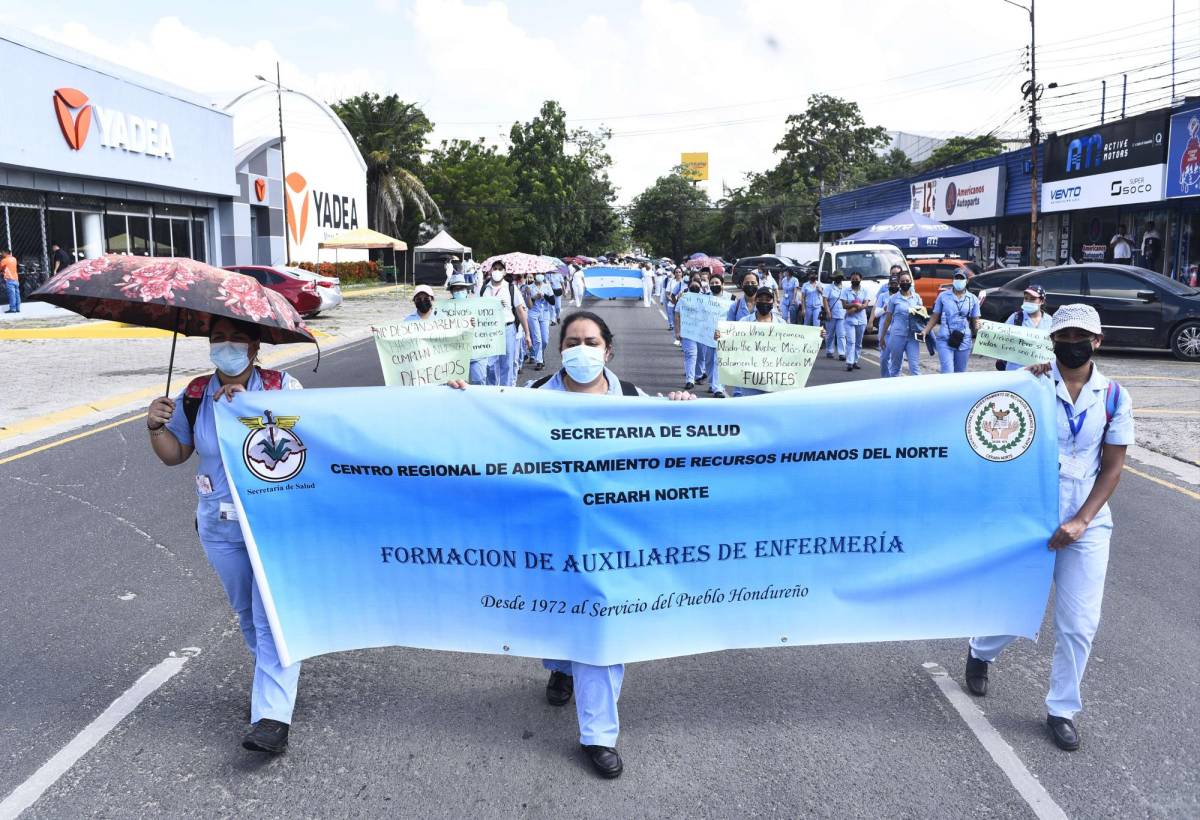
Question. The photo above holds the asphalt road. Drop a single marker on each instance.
(102, 578)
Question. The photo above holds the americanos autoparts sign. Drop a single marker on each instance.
(1115, 164)
(962, 197)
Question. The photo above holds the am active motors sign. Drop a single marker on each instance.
(1115, 164)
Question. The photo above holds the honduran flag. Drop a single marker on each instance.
(613, 283)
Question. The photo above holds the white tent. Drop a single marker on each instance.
(443, 243)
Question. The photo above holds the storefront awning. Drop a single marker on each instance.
(364, 239)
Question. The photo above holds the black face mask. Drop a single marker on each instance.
(893, 288)
(905, 286)
(837, 283)
(1073, 354)
(764, 308)
(423, 305)
(714, 289)
(694, 288)
(854, 283)
(750, 290)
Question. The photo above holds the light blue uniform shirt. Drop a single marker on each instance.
(210, 474)
(416, 317)
(789, 285)
(956, 310)
(811, 293)
(854, 297)
(902, 323)
(834, 294)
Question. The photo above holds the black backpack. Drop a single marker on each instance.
(627, 388)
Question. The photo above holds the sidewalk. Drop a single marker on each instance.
(68, 372)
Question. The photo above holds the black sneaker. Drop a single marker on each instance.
(841, 358)
(700, 379)
(720, 394)
(976, 675)
(856, 367)
(689, 385)
(605, 761)
(559, 688)
(268, 736)
(849, 367)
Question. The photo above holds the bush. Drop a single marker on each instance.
(349, 273)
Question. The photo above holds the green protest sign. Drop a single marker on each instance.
(416, 353)
(767, 356)
(699, 315)
(1015, 343)
(489, 315)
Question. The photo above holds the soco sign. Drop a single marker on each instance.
(118, 130)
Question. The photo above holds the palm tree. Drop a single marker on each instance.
(390, 134)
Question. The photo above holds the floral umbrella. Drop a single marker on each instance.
(521, 263)
(180, 295)
(697, 262)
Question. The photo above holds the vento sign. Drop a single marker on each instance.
(119, 130)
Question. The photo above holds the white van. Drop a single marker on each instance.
(873, 261)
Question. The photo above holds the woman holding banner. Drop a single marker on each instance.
(586, 346)
(764, 311)
(743, 305)
(1094, 422)
(1030, 314)
(186, 424)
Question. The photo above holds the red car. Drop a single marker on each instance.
(301, 293)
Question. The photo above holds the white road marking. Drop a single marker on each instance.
(660, 313)
(25, 795)
(1026, 784)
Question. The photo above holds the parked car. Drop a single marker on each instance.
(1137, 307)
(329, 288)
(775, 264)
(996, 278)
(301, 293)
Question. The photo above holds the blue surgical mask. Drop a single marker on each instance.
(231, 358)
(960, 285)
(458, 294)
(583, 363)
(1030, 308)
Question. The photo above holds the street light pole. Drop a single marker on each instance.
(287, 240)
(1030, 89)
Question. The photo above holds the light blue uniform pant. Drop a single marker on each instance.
(690, 354)
(786, 309)
(520, 353)
(854, 340)
(597, 689)
(835, 336)
(951, 360)
(556, 308)
(897, 347)
(812, 316)
(500, 368)
(479, 370)
(539, 330)
(669, 309)
(273, 694)
(707, 357)
(1079, 571)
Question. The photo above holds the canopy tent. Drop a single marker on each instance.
(443, 243)
(915, 231)
(363, 239)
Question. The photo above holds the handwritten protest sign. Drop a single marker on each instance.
(699, 316)
(766, 356)
(430, 352)
(1015, 343)
(488, 313)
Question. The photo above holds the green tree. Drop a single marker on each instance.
(893, 164)
(390, 135)
(829, 143)
(962, 149)
(476, 187)
(671, 217)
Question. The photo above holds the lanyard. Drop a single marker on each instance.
(1076, 423)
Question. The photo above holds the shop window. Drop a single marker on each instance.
(116, 233)
(25, 238)
(162, 237)
(180, 241)
(1062, 281)
(60, 230)
(199, 241)
(139, 235)
(1113, 284)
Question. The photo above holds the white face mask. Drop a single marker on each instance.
(497, 275)
(1030, 308)
(231, 358)
(583, 363)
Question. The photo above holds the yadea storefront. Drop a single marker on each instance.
(101, 160)
(322, 191)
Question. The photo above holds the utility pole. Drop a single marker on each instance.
(1103, 98)
(287, 240)
(1032, 91)
(1124, 85)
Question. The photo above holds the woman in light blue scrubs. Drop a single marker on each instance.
(955, 317)
(901, 327)
(233, 347)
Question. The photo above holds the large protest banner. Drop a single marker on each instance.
(424, 352)
(488, 314)
(369, 524)
(1015, 343)
(699, 316)
(605, 282)
(767, 356)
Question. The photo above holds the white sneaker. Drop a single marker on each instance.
(677, 343)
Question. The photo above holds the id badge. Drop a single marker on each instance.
(204, 485)
(1074, 466)
(227, 512)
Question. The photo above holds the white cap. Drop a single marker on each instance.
(1081, 316)
(428, 291)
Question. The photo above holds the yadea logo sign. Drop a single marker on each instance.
(296, 195)
(118, 130)
(329, 210)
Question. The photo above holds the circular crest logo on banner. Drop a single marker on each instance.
(1000, 426)
(272, 450)
(951, 198)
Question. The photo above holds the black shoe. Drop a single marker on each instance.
(689, 385)
(540, 366)
(605, 761)
(856, 367)
(267, 735)
(720, 394)
(841, 358)
(977, 675)
(700, 379)
(849, 367)
(1065, 736)
(828, 355)
(559, 688)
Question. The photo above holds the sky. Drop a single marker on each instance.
(666, 76)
